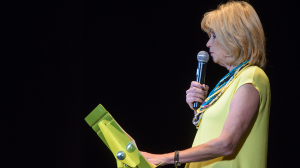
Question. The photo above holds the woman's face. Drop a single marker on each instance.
(218, 54)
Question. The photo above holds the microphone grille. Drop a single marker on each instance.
(203, 56)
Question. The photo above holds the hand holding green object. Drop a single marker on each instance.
(116, 139)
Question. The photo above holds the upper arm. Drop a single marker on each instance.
(243, 107)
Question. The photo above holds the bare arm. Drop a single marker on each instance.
(243, 108)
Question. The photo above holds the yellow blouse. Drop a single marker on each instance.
(251, 151)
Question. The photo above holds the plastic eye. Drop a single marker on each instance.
(121, 155)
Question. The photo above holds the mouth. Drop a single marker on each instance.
(210, 53)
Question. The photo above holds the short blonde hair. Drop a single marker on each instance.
(239, 32)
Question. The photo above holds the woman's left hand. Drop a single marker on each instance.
(154, 158)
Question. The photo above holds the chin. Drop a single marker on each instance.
(215, 60)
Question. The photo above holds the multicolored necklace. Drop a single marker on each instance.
(220, 88)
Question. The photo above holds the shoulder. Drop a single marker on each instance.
(253, 70)
(257, 77)
(254, 74)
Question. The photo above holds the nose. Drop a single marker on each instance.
(209, 43)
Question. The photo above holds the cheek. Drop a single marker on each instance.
(216, 54)
(215, 58)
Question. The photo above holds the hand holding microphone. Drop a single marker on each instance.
(197, 92)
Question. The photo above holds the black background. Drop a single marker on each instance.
(136, 58)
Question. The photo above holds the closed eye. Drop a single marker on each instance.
(214, 35)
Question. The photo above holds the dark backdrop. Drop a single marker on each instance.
(137, 59)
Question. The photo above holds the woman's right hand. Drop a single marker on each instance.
(196, 93)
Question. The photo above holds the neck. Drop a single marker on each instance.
(230, 67)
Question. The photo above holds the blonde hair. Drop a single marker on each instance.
(238, 31)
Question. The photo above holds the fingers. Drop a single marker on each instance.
(200, 86)
(196, 84)
(190, 100)
(196, 93)
(153, 158)
(194, 97)
(144, 154)
(205, 87)
(200, 95)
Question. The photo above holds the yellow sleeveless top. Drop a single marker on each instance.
(251, 151)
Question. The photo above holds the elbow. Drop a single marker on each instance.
(228, 152)
(227, 148)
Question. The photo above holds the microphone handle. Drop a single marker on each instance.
(200, 78)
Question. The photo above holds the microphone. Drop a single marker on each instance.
(202, 58)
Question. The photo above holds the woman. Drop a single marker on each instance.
(233, 121)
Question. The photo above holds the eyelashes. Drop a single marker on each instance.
(213, 35)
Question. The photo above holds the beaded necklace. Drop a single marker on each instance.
(220, 88)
